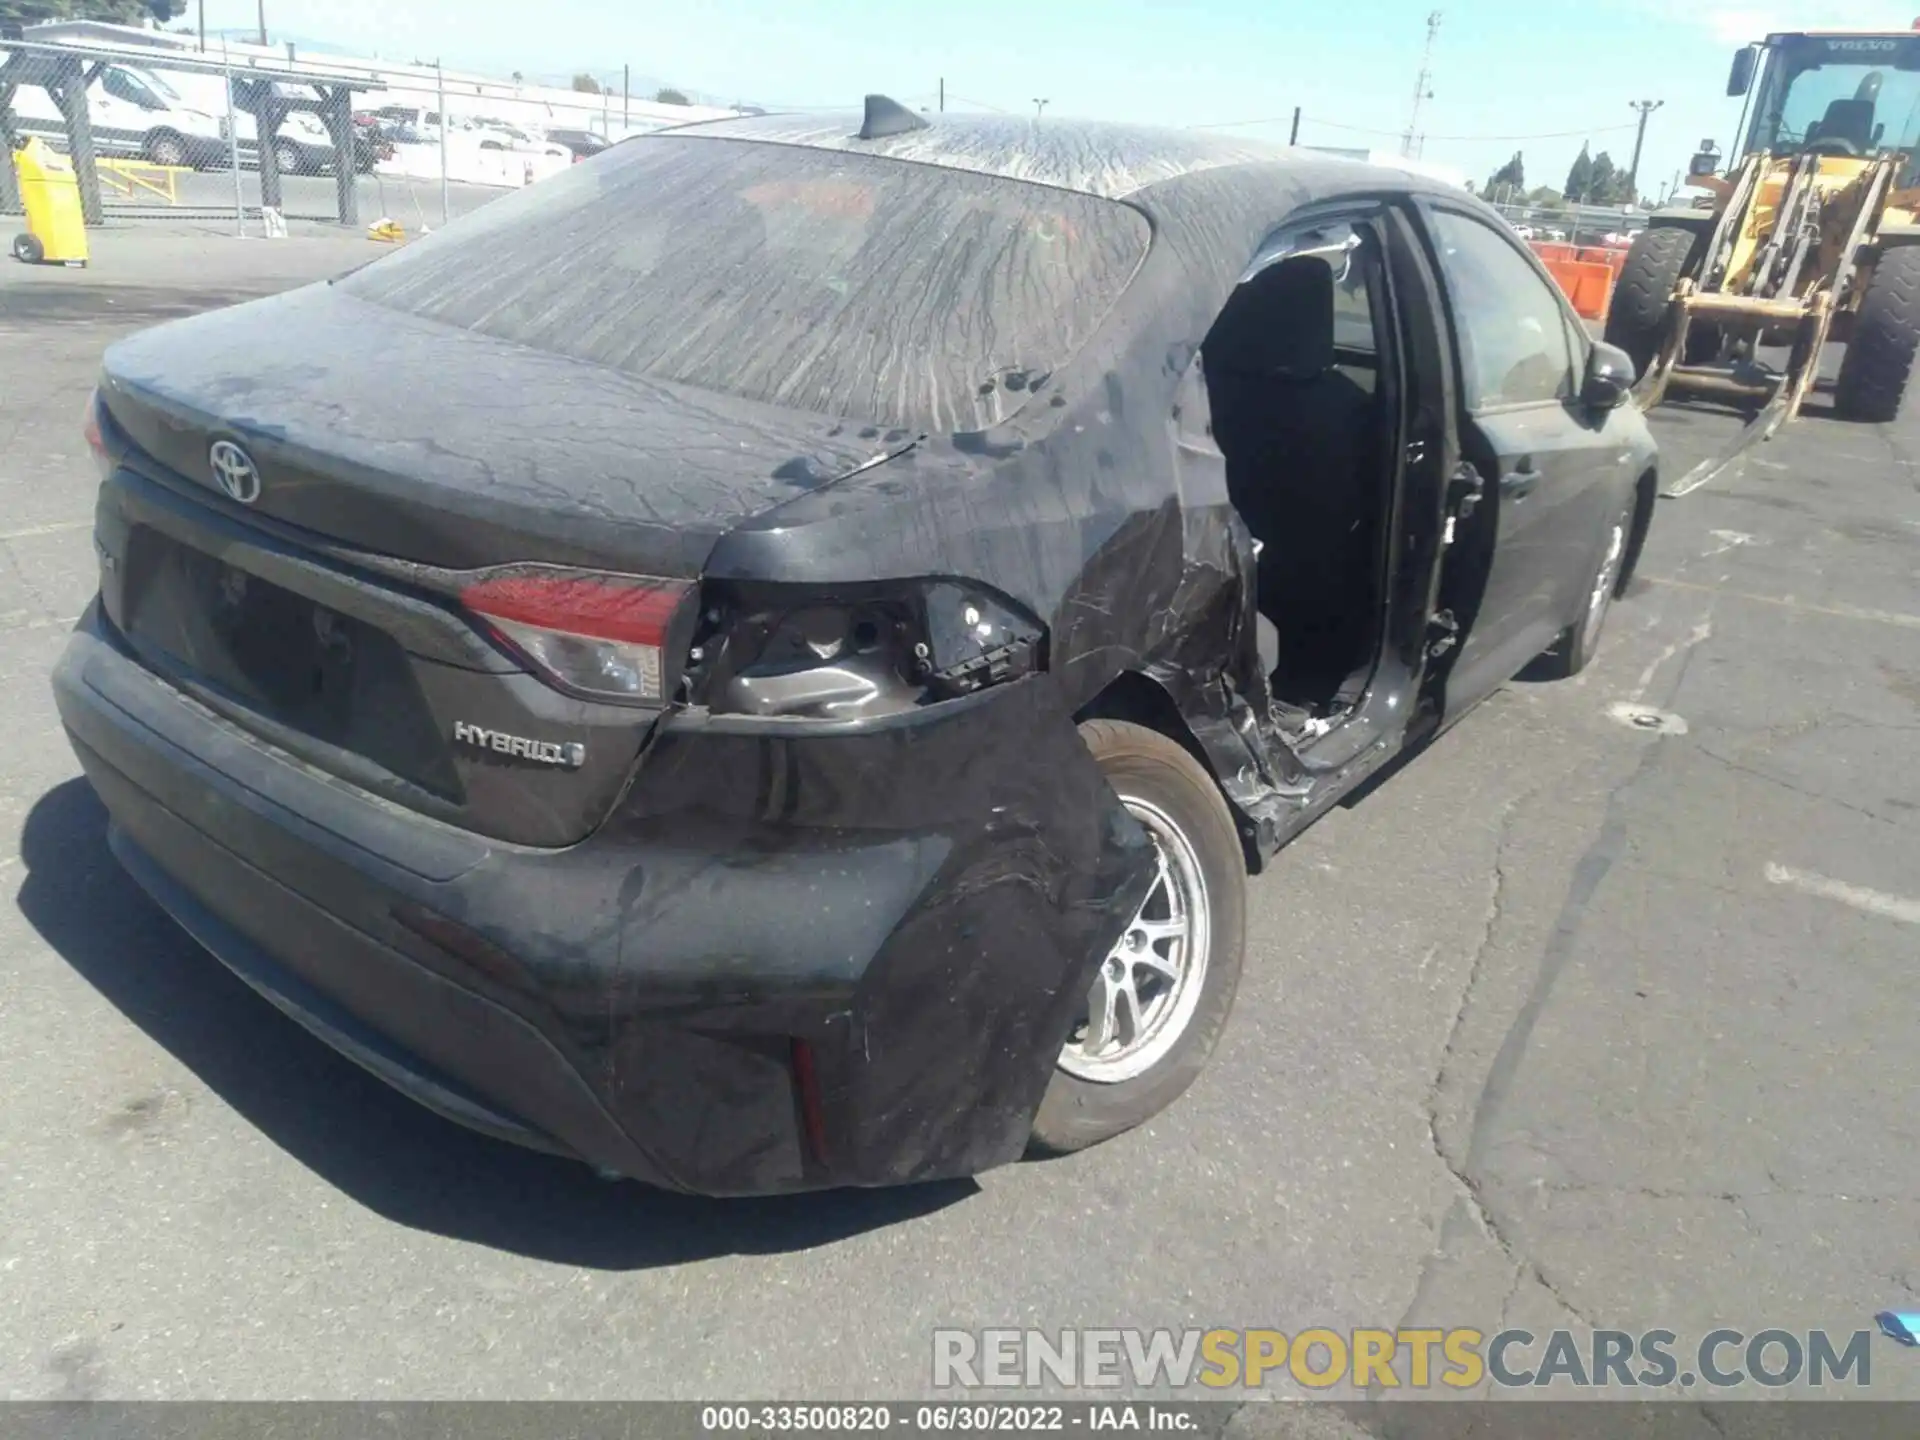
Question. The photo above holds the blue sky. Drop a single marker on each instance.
(1564, 69)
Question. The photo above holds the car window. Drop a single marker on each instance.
(1353, 308)
(907, 295)
(122, 86)
(1356, 346)
(1514, 345)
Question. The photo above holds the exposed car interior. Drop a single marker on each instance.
(1293, 378)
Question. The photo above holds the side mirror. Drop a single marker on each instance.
(1609, 378)
(1740, 78)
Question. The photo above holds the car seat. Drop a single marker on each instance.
(1849, 120)
(1301, 445)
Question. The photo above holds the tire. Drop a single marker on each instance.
(1637, 316)
(1886, 333)
(166, 148)
(1124, 1083)
(1580, 641)
(27, 249)
(289, 158)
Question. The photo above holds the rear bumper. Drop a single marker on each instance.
(783, 964)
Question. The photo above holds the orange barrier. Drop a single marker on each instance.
(1585, 273)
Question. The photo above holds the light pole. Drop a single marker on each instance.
(1646, 109)
(1039, 107)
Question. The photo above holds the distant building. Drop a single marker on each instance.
(99, 32)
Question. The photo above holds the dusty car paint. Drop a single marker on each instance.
(916, 900)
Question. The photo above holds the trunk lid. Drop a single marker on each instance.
(442, 446)
(391, 453)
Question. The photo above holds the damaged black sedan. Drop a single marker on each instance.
(765, 661)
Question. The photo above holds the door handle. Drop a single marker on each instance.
(1520, 481)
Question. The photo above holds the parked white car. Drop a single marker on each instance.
(474, 156)
(138, 114)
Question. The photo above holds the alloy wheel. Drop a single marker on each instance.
(1148, 985)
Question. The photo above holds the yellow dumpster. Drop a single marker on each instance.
(56, 232)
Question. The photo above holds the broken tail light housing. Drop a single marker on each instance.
(603, 636)
(797, 654)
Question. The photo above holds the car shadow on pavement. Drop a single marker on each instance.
(374, 1144)
(128, 305)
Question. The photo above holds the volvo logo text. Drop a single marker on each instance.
(234, 471)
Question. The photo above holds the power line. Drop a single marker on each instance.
(996, 109)
(1376, 130)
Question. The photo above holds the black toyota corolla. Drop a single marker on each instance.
(765, 661)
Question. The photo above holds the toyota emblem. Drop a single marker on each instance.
(234, 471)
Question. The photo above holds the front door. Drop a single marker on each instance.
(1536, 483)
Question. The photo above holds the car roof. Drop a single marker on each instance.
(1116, 161)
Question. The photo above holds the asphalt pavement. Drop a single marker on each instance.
(1599, 1013)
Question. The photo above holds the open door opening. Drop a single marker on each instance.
(1300, 386)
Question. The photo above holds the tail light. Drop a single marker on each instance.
(600, 635)
(796, 654)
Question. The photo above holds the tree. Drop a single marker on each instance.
(1510, 177)
(1580, 177)
(114, 12)
(1604, 181)
(670, 96)
(586, 84)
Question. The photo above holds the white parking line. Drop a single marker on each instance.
(59, 528)
(1699, 633)
(1874, 902)
(1787, 602)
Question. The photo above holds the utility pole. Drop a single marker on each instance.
(943, 94)
(1039, 108)
(1422, 88)
(262, 12)
(1646, 109)
(626, 98)
(1294, 139)
(203, 25)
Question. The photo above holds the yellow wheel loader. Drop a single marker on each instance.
(1812, 235)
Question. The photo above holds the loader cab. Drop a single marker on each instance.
(1848, 96)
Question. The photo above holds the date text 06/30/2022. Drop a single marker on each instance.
(943, 1417)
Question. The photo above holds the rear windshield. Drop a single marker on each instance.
(902, 294)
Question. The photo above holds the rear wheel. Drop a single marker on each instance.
(288, 158)
(166, 148)
(27, 248)
(1162, 994)
(1886, 334)
(1637, 316)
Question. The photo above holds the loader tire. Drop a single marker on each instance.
(1886, 335)
(1637, 318)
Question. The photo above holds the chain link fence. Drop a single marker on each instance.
(257, 138)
